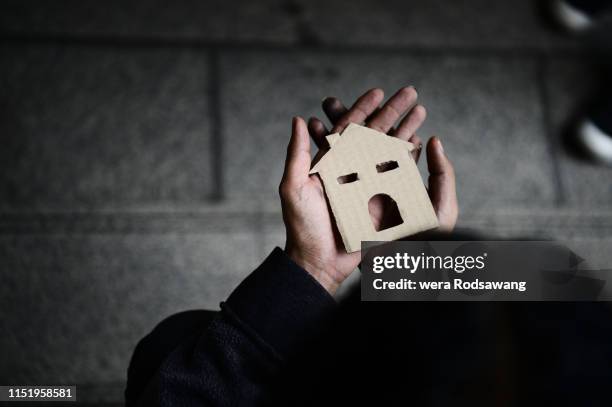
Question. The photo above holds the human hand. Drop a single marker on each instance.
(441, 181)
(313, 241)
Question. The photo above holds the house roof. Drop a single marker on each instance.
(355, 136)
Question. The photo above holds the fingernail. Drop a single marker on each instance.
(440, 143)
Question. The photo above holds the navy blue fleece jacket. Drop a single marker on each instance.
(234, 360)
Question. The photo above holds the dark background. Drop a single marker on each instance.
(143, 142)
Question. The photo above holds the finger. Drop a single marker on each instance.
(317, 131)
(318, 156)
(442, 191)
(411, 123)
(403, 100)
(361, 110)
(334, 109)
(297, 164)
(416, 153)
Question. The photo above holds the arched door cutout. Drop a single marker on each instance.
(384, 212)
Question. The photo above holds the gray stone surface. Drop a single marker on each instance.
(101, 394)
(72, 307)
(273, 236)
(92, 128)
(559, 224)
(470, 23)
(572, 84)
(486, 111)
(212, 20)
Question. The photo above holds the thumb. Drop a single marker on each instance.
(442, 190)
(297, 164)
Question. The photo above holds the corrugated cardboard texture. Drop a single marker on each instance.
(358, 150)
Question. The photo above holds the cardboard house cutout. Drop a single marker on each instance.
(361, 164)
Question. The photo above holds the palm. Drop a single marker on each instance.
(329, 239)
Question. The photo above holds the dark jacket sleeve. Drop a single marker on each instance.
(239, 354)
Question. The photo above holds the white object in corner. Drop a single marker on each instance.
(570, 17)
(595, 141)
